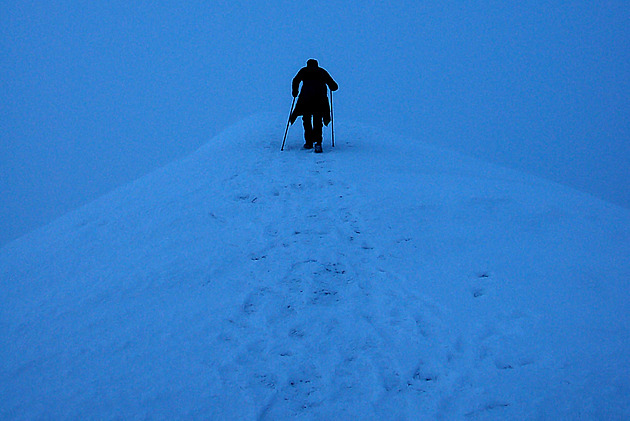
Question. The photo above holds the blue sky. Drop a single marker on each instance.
(97, 94)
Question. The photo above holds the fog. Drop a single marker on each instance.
(96, 94)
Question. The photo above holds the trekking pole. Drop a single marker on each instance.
(332, 120)
(288, 123)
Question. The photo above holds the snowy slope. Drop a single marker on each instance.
(383, 279)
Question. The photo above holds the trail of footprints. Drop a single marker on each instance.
(331, 325)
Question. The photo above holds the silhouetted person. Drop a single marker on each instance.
(312, 102)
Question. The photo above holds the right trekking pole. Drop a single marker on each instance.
(332, 119)
(288, 123)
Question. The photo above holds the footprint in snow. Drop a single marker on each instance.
(480, 284)
(252, 302)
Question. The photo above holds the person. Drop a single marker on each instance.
(312, 103)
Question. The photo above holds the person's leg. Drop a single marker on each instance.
(308, 131)
(318, 123)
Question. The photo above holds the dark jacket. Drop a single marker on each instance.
(313, 98)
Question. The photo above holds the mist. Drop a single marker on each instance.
(96, 95)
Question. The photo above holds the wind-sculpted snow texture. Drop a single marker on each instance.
(382, 279)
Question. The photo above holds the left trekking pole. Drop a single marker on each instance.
(288, 123)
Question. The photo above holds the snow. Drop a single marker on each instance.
(382, 279)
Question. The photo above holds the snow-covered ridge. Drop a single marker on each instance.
(382, 279)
